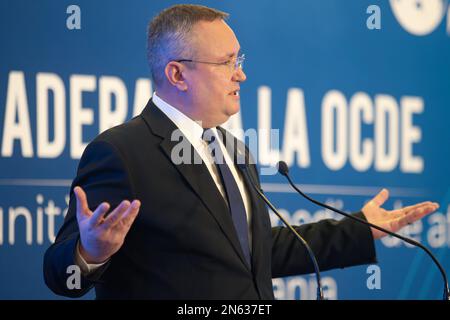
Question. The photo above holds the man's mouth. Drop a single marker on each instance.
(235, 93)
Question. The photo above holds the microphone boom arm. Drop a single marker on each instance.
(283, 171)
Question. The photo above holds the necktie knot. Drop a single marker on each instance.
(208, 136)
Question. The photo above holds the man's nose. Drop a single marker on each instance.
(239, 75)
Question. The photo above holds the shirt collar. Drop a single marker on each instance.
(190, 128)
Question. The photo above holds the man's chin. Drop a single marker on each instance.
(233, 109)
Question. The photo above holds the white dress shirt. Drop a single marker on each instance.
(193, 131)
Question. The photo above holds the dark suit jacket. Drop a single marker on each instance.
(183, 244)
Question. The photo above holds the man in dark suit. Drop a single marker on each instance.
(202, 231)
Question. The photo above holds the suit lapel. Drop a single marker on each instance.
(196, 175)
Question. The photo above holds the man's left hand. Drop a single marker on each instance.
(394, 220)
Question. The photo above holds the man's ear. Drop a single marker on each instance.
(174, 74)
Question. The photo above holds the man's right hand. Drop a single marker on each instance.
(102, 237)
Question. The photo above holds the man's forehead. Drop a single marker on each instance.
(216, 37)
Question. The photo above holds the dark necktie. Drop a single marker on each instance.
(235, 202)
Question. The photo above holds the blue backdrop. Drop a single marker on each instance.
(360, 95)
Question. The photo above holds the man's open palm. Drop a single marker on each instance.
(394, 220)
(102, 237)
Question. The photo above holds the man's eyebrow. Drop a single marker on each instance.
(232, 54)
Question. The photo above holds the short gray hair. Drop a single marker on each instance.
(169, 35)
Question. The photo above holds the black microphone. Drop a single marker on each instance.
(284, 170)
(243, 168)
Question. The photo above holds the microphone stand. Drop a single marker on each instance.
(243, 168)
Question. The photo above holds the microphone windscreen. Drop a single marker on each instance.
(283, 168)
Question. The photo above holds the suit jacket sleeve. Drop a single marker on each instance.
(336, 244)
(103, 176)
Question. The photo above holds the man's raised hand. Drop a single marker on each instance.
(102, 237)
(394, 220)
